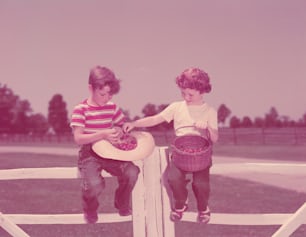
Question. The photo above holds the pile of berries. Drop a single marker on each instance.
(191, 150)
(126, 142)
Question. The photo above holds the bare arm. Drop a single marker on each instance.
(82, 138)
(214, 134)
(144, 122)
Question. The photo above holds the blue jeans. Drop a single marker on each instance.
(92, 183)
(178, 185)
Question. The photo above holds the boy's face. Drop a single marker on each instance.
(101, 95)
(192, 96)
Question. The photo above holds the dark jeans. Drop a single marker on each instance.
(178, 185)
(92, 183)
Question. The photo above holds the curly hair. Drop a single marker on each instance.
(102, 76)
(194, 78)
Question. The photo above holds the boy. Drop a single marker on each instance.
(92, 120)
(192, 111)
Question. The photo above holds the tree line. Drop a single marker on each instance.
(17, 116)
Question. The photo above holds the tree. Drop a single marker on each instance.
(259, 122)
(164, 125)
(285, 121)
(58, 115)
(223, 113)
(271, 118)
(136, 118)
(126, 115)
(8, 102)
(246, 122)
(161, 107)
(149, 110)
(38, 124)
(21, 117)
(304, 120)
(234, 122)
(300, 123)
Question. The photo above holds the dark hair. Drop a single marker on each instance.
(194, 78)
(100, 77)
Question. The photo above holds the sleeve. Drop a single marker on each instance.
(168, 112)
(119, 117)
(77, 117)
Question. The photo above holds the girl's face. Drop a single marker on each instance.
(192, 96)
(101, 96)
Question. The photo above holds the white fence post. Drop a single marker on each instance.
(153, 204)
(157, 203)
(138, 202)
(168, 225)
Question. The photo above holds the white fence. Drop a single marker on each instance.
(151, 204)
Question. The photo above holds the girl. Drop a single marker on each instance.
(192, 112)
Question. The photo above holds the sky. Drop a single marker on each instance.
(253, 50)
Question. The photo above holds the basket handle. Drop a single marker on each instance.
(192, 126)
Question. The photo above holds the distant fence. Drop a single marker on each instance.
(265, 136)
(243, 136)
(235, 136)
(24, 138)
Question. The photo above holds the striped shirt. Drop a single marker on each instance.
(95, 118)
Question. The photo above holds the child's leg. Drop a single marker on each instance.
(127, 174)
(201, 188)
(177, 182)
(92, 184)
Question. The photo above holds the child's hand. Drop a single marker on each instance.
(127, 127)
(200, 124)
(113, 135)
(119, 130)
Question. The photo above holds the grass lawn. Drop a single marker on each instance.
(227, 196)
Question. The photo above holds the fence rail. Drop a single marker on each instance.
(235, 136)
(151, 203)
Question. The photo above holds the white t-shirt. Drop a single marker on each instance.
(184, 116)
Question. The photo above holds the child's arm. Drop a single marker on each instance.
(82, 138)
(214, 134)
(144, 122)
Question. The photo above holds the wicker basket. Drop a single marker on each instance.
(192, 152)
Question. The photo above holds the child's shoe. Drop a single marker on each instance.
(204, 216)
(91, 217)
(177, 214)
(125, 212)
